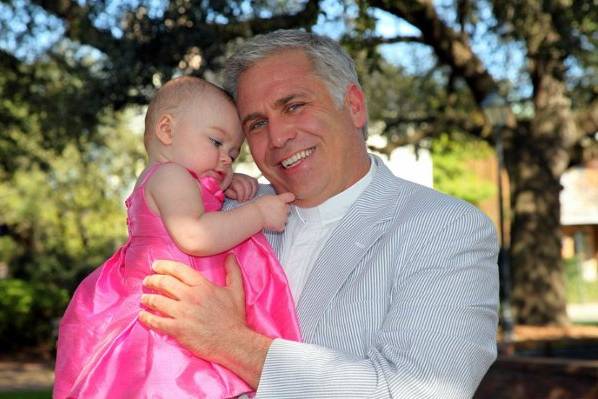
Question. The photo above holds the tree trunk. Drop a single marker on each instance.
(538, 295)
(539, 155)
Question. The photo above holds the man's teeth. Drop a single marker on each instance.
(287, 163)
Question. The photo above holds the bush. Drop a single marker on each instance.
(28, 311)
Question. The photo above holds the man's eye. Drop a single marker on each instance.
(294, 106)
(216, 142)
(258, 124)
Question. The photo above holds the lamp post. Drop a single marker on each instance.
(497, 112)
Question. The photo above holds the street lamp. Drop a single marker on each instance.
(497, 111)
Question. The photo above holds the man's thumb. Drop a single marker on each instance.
(234, 279)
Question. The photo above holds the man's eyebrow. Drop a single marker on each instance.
(282, 101)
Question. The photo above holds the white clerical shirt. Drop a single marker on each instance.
(308, 229)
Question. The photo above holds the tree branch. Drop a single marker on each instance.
(449, 46)
(197, 33)
(153, 47)
(376, 40)
(306, 17)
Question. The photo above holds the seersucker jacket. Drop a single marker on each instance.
(402, 301)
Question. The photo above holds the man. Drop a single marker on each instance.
(396, 285)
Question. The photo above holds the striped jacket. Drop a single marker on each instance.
(401, 303)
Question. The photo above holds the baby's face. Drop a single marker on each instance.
(208, 138)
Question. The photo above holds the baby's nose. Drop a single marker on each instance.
(226, 159)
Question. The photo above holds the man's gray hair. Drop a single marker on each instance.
(330, 62)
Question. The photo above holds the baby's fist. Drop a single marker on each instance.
(275, 210)
(241, 188)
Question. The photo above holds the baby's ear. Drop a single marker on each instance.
(165, 129)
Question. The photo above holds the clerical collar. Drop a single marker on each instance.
(335, 207)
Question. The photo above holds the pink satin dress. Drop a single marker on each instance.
(105, 352)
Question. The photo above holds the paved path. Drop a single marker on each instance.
(18, 375)
(587, 312)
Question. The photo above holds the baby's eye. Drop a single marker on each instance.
(217, 143)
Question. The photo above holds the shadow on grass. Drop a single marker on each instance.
(44, 394)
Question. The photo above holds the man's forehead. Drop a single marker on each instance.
(279, 63)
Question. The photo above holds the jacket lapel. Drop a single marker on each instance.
(361, 227)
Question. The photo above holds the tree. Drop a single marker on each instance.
(140, 44)
(62, 220)
(120, 51)
(544, 137)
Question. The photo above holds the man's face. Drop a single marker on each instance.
(299, 137)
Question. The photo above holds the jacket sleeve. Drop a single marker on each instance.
(438, 337)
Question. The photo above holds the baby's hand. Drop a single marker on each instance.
(241, 188)
(275, 210)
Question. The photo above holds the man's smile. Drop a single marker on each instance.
(296, 158)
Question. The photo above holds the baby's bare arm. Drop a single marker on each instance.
(177, 197)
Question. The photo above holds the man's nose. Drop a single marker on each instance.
(280, 133)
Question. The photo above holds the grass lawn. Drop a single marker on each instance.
(578, 290)
(45, 394)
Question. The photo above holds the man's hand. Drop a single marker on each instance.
(242, 187)
(206, 319)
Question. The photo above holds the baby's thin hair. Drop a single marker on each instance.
(172, 97)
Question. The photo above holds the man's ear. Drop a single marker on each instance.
(165, 129)
(355, 103)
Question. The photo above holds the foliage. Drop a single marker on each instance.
(453, 172)
(61, 221)
(578, 289)
(58, 222)
(45, 106)
(28, 311)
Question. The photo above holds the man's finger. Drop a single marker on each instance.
(165, 284)
(161, 324)
(180, 271)
(159, 303)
